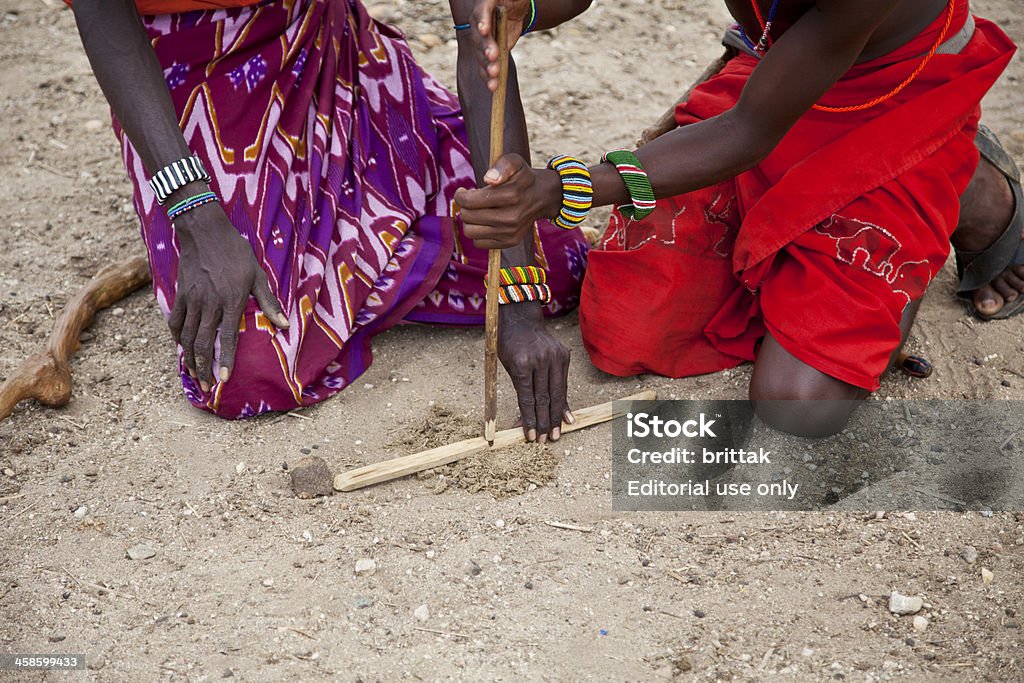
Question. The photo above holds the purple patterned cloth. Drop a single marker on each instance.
(337, 158)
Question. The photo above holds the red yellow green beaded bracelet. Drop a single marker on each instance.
(522, 275)
(641, 194)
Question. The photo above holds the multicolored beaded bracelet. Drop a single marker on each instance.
(577, 190)
(528, 26)
(523, 275)
(516, 294)
(186, 205)
(641, 194)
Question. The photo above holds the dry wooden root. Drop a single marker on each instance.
(667, 121)
(46, 376)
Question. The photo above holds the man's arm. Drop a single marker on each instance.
(217, 269)
(797, 71)
(536, 362)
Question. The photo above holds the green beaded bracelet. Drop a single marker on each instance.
(641, 194)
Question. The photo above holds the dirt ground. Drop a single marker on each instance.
(250, 582)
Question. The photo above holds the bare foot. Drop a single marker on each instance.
(986, 208)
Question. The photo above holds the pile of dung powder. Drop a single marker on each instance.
(503, 472)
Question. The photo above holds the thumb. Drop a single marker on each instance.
(503, 169)
(268, 302)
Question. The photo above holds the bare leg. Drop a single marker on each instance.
(986, 208)
(791, 396)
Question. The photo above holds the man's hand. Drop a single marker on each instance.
(538, 365)
(482, 19)
(217, 271)
(499, 215)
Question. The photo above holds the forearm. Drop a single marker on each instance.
(689, 158)
(551, 13)
(131, 78)
(476, 101)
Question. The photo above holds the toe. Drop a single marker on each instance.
(987, 300)
(1014, 280)
(1005, 289)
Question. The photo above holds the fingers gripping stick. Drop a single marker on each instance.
(494, 255)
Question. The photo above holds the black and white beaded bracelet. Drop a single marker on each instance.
(176, 175)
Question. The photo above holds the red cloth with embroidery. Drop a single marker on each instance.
(822, 244)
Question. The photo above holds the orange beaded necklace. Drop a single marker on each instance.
(899, 88)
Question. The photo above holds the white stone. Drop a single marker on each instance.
(920, 624)
(987, 576)
(365, 566)
(421, 613)
(81, 512)
(905, 604)
(141, 552)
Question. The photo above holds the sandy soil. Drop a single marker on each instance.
(248, 581)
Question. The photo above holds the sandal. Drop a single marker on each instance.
(978, 268)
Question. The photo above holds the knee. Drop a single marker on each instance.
(812, 409)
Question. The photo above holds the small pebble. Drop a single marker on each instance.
(365, 566)
(903, 604)
(500, 523)
(81, 513)
(421, 613)
(268, 583)
(920, 624)
(987, 576)
(240, 468)
(8, 472)
(57, 638)
(311, 477)
(363, 602)
(140, 552)
(431, 554)
(93, 125)
(699, 613)
(969, 554)
(429, 40)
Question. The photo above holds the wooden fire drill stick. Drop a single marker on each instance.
(494, 255)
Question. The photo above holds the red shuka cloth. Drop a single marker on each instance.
(822, 244)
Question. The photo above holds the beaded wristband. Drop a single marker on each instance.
(515, 294)
(528, 26)
(637, 183)
(177, 175)
(577, 191)
(186, 205)
(522, 275)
